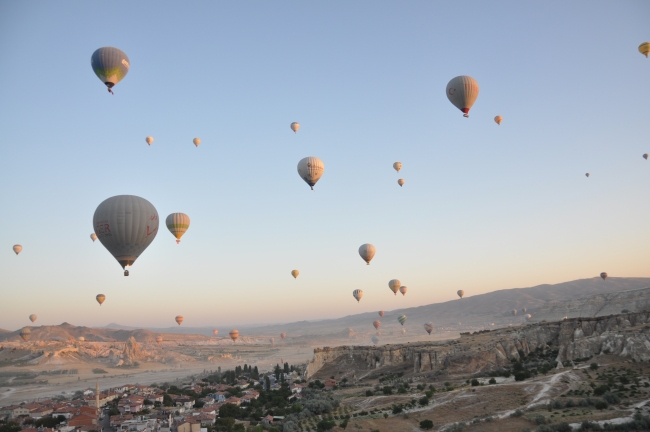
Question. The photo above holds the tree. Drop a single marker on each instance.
(593, 366)
(475, 382)
(229, 410)
(424, 401)
(10, 427)
(325, 425)
(426, 424)
(492, 381)
(286, 368)
(167, 401)
(601, 405)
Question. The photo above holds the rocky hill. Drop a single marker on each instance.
(625, 334)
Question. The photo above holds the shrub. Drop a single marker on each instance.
(475, 382)
(593, 366)
(517, 413)
(539, 419)
(424, 401)
(387, 390)
(520, 376)
(369, 393)
(601, 405)
(325, 425)
(611, 398)
(492, 381)
(426, 424)
(397, 409)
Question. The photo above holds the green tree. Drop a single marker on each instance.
(229, 410)
(325, 425)
(424, 401)
(426, 424)
(10, 427)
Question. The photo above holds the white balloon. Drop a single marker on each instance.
(462, 91)
(311, 170)
(367, 252)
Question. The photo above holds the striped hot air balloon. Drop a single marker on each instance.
(177, 224)
(234, 335)
(357, 294)
(376, 324)
(179, 319)
(428, 327)
(402, 319)
(381, 313)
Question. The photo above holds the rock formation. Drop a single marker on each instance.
(132, 351)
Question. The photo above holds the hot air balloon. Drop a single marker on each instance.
(514, 312)
(402, 319)
(400, 182)
(25, 333)
(110, 65)
(283, 335)
(498, 120)
(403, 290)
(126, 225)
(565, 318)
(603, 275)
(295, 273)
(179, 319)
(177, 224)
(644, 48)
(367, 252)
(295, 126)
(428, 327)
(381, 313)
(394, 285)
(272, 340)
(528, 316)
(100, 298)
(375, 339)
(196, 141)
(403, 331)
(159, 339)
(525, 310)
(234, 335)
(311, 169)
(397, 166)
(149, 140)
(93, 237)
(215, 332)
(460, 293)
(81, 338)
(587, 174)
(645, 156)
(17, 249)
(357, 294)
(32, 317)
(376, 324)
(462, 91)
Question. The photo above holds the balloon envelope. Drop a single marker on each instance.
(367, 252)
(32, 317)
(376, 324)
(295, 126)
(462, 91)
(196, 141)
(149, 140)
(311, 169)
(234, 334)
(498, 119)
(381, 313)
(25, 333)
(357, 294)
(603, 275)
(514, 312)
(587, 174)
(81, 338)
(403, 290)
(460, 293)
(295, 273)
(93, 237)
(179, 319)
(177, 224)
(428, 327)
(644, 48)
(159, 339)
(400, 182)
(402, 319)
(215, 332)
(645, 156)
(283, 335)
(525, 310)
(394, 285)
(375, 339)
(126, 225)
(100, 298)
(17, 249)
(110, 65)
(397, 166)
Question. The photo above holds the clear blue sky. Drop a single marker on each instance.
(484, 207)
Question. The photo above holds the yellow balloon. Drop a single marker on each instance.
(196, 141)
(149, 140)
(400, 182)
(644, 48)
(295, 273)
(100, 298)
(498, 119)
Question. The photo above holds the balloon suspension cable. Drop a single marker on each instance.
(111, 91)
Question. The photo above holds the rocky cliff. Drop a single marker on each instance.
(625, 334)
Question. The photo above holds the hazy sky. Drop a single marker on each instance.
(484, 207)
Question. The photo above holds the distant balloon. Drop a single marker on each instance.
(295, 126)
(32, 317)
(357, 294)
(460, 293)
(375, 339)
(215, 332)
(603, 275)
(644, 48)
(295, 273)
(100, 298)
(462, 91)
(491, 324)
(159, 339)
(149, 140)
(403, 290)
(177, 224)
(565, 318)
(514, 312)
(529, 316)
(587, 174)
(17, 249)
(400, 182)
(196, 141)
(525, 310)
(234, 335)
(403, 331)
(394, 285)
(376, 324)
(367, 252)
(126, 225)
(179, 319)
(25, 333)
(402, 319)
(397, 166)
(93, 237)
(272, 340)
(428, 327)
(283, 335)
(381, 313)
(110, 65)
(498, 120)
(645, 156)
(81, 338)
(311, 169)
